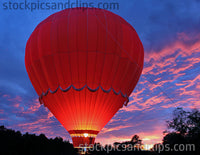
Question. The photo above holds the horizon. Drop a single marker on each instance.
(170, 35)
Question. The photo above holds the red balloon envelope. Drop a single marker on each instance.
(84, 63)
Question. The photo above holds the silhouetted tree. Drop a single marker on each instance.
(174, 138)
(185, 127)
(179, 123)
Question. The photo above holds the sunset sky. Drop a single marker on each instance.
(170, 33)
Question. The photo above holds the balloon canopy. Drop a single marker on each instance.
(84, 63)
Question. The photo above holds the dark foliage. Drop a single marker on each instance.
(14, 143)
(185, 130)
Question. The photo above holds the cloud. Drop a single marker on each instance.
(104, 130)
(1, 111)
(33, 107)
(170, 71)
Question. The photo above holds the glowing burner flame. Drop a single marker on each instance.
(85, 134)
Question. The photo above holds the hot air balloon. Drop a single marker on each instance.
(84, 63)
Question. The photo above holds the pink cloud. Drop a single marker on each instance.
(105, 130)
(1, 111)
(39, 126)
(34, 106)
(177, 45)
(15, 101)
(6, 96)
(169, 65)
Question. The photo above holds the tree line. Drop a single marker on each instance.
(15, 143)
(181, 137)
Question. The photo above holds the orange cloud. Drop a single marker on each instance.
(149, 138)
